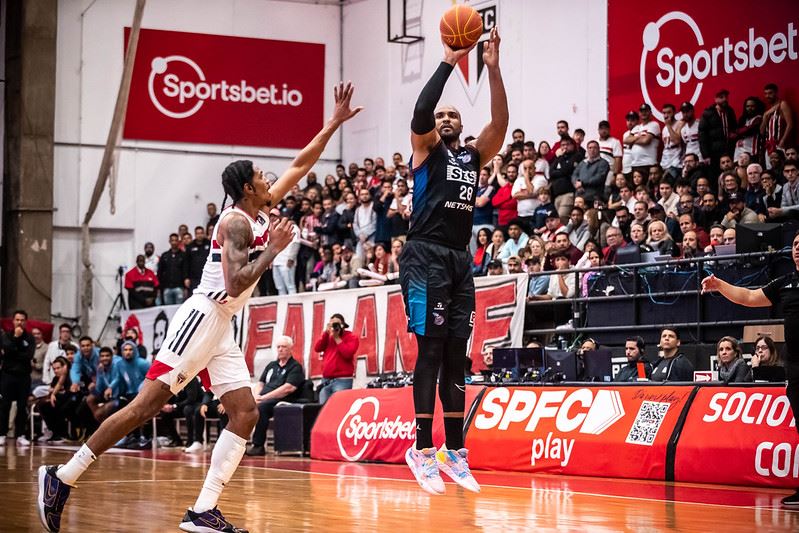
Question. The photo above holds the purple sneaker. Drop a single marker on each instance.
(208, 522)
(423, 465)
(53, 494)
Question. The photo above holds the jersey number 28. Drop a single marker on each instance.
(466, 193)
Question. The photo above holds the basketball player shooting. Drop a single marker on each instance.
(435, 268)
(200, 338)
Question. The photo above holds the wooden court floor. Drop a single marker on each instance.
(129, 491)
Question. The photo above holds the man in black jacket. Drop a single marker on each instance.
(634, 350)
(717, 132)
(672, 365)
(172, 272)
(15, 376)
(197, 253)
(560, 177)
(329, 233)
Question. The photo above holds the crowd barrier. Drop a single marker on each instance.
(738, 435)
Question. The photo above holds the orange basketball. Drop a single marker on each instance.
(461, 26)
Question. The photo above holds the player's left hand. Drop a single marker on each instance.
(343, 110)
(491, 49)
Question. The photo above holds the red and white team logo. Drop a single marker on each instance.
(471, 69)
(361, 427)
(676, 59)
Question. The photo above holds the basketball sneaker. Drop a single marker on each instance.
(423, 465)
(792, 500)
(53, 494)
(454, 464)
(208, 522)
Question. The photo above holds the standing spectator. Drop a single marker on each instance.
(285, 263)
(717, 131)
(504, 202)
(749, 139)
(212, 214)
(54, 349)
(609, 147)
(150, 259)
(590, 175)
(525, 192)
(732, 366)
(399, 212)
(197, 253)
(628, 139)
(545, 207)
(777, 124)
(328, 229)
(15, 377)
(39, 352)
(173, 273)
(671, 159)
(561, 169)
(281, 381)
(381, 204)
(364, 222)
(688, 128)
(672, 364)
(347, 218)
(142, 285)
(311, 184)
(338, 347)
(562, 128)
(644, 139)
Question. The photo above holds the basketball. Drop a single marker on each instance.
(461, 26)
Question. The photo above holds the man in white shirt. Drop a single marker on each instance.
(364, 223)
(671, 159)
(525, 192)
(668, 199)
(688, 128)
(627, 152)
(285, 263)
(609, 149)
(54, 350)
(644, 139)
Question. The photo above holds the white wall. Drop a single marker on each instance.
(160, 185)
(553, 59)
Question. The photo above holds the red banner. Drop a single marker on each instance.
(215, 89)
(372, 425)
(591, 431)
(684, 50)
(739, 436)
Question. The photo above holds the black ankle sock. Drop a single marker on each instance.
(424, 433)
(453, 428)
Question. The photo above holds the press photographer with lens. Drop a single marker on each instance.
(338, 347)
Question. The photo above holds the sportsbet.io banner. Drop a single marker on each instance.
(376, 315)
(216, 89)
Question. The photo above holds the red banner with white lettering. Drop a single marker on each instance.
(739, 436)
(372, 425)
(218, 89)
(618, 431)
(684, 50)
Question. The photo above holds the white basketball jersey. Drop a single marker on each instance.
(212, 284)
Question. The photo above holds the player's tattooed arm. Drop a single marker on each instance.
(236, 235)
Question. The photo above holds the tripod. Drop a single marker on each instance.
(118, 305)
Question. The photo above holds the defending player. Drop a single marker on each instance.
(435, 268)
(200, 337)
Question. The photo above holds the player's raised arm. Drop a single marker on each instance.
(493, 135)
(423, 124)
(235, 236)
(311, 153)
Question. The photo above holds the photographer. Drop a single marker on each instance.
(338, 347)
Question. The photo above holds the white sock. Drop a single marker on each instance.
(225, 459)
(70, 472)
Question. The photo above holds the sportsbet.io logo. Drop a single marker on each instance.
(178, 88)
(681, 66)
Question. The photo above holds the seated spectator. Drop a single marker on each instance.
(586, 280)
(765, 353)
(772, 192)
(564, 246)
(638, 237)
(729, 236)
(103, 398)
(687, 224)
(182, 405)
(15, 378)
(132, 371)
(516, 241)
(622, 220)
(738, 213)
(716, 237)
(325, 273)
(280, 381)
(615, 241)
(552, 226)
(210, 408)
(634, 351)
(479, 263)
(732, 366)
(338, 347)
(577, 228)
(690, 245)
(58, 408)
(535, 250)
(668, 199)
(349, 266)
(790, 191)
(659, 239)
(515, 265)
(672, 364)
(561, 283)
(142, 285)
(54, 349)
(539, 284)
(495, 268)
(379, 271)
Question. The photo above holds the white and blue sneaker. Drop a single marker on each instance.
(423, 465)
(455, 465)
(208, 522)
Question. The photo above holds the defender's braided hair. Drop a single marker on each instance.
(234, 177)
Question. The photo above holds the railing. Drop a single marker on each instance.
(761, 267)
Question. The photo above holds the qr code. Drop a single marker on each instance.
(647, 423)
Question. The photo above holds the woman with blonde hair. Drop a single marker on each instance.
(536, 250)
(659, 239)
(732, 367)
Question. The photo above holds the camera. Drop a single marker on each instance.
(336, 326)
